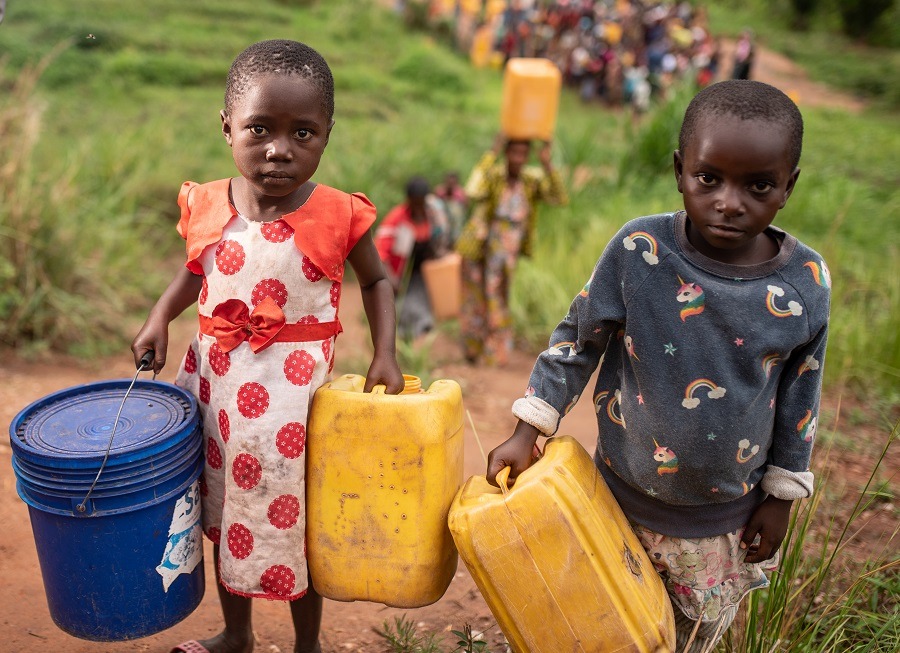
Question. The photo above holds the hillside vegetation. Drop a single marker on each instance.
(106, 107)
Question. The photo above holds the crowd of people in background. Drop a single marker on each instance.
(615, 52)
(618, 52)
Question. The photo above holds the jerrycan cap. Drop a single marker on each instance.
(412, 385)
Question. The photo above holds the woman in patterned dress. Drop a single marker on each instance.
(504, 196)
(265, 261)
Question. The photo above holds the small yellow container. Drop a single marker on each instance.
(557, 562)
(531, 90)
(382, 471)
(443, 281)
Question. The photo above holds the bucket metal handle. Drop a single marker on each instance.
(146, 362)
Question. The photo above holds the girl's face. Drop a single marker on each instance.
(517, 154)
(735, 175)
(278, 131)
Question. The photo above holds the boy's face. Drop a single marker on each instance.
(735, 175)
(277, 131)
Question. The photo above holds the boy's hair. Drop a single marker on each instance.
(279, 56)
(747, 100)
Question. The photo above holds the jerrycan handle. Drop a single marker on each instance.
(503, 479)
(411, 385)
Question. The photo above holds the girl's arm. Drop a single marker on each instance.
(154, 335)
(378, 301)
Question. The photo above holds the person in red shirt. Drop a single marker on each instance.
(413, 232)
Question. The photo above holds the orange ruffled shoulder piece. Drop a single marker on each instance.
(326, 227)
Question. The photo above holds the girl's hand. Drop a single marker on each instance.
(385, 371)
(770, 521)
(154, 335)
(517, 453)
(153, 338)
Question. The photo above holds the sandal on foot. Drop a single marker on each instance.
(190, 646)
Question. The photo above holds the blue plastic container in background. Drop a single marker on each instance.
(128, 562)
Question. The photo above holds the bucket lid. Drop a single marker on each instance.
(71, 428)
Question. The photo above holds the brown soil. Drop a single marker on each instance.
(25, 623)
(488, 393)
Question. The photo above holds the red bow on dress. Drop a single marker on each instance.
(232, 323)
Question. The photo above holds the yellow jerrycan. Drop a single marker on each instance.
(531, 88)
(381, 473)
(556, 561)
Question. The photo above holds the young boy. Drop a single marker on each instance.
(710, 325)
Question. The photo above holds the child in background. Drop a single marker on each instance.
(710, 325)
(504, 195)
(410, 233)
(265, 256)
(455, 203)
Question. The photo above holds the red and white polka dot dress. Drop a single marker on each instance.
(254, 406)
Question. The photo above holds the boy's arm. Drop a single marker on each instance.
(378, 302)
(796, 421)
(787, 476)
(154, 335)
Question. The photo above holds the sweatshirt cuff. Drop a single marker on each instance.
(784, 484)
(538, 413)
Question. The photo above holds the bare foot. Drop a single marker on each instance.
(225, 642)
(305, 648)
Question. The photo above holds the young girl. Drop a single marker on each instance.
(265, 259)
(711, 327)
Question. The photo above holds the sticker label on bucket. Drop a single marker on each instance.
(184, 550)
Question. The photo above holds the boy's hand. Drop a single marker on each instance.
(517, 453)
(770, 521)
(384, 370)
(153, 338)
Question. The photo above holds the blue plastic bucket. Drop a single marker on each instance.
(128, 561)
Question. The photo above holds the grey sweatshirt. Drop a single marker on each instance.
(710, 375)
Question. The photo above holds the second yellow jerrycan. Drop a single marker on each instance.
(381, 473)
(556, 561)
(531, 88)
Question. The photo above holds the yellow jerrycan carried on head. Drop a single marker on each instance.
(531, 88)
(381, 473)
(556, 561)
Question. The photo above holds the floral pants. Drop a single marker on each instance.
(485, 322)
(706, 579)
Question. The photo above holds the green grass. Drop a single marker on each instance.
(129, 109)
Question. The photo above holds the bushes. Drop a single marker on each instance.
(64, 251)
(860, 18)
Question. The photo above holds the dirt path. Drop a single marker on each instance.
(778, 70)
(25, 623)
(24, 618)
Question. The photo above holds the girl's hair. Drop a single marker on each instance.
(279, 56)
(747, 100)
